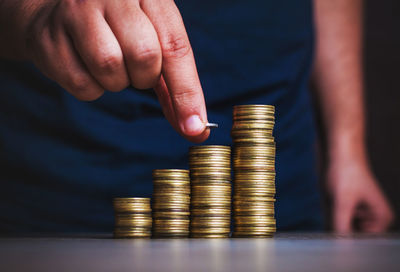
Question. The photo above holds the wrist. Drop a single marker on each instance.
(347, 148)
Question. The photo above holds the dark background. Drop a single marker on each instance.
(382, 78)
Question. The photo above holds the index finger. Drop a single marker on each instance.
(178, 67)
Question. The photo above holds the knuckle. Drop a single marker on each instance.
(83, 88)
(147, 56)
(109, 62)
(184, 98)
(72, 3)
(117, 86)
(88, 96)
(175, 46)
(79, 84)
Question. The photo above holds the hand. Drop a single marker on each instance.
(92, 46)
(357, 198)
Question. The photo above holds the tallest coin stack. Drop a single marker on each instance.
(254, 171)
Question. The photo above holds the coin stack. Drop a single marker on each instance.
(171, 203)
(254, 170)
(210, 176)
(132, 217)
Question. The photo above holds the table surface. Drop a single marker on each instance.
(285, 252)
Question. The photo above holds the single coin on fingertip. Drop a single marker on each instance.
(211, 125)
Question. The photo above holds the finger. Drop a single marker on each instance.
(166, 104)
(98, 47)
(138, 40)
(178, 66)
(377, 219)
(59, 61)
(343, 215)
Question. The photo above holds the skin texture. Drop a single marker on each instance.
(92, 46)
(354, 190)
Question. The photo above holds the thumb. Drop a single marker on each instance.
(343, 211)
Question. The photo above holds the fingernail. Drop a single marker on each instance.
(193, 125)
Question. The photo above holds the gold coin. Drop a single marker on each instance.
(210, 181)
(206, 219)
(170, 223)
(135, 220)
(255, 229)
(212, 156)
(196, 207)
(132, 200)
(171, 214)
(215, 165)
(212, 187)
(132, 232)
(211, 177)
(172, 181)
(170, 201)
(209, 236)
(259, 164)
(239, 142)
(210, 230)
(238, 134)
(253, 194)
(202, 170)
(255, 107)
(260, 173)
(160, 172)
(267, 167)
(255, 156)
(211, 224)
(253, 175)
(240, 199)
(157, 232)
(267, 153)
(170, 206)
(171, 236)
(200, 148)
(132, 208)
(171, 197)
(210, 212)
(236, 235)
(213, 160)
(118, 235)
(249, 151)
(248, 117)
(218, 199)
(247, 125)
(254, 220)
(255, 185)
(255, 189)
(171, 193)
(265, 212)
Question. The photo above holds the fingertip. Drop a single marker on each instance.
(193, 126)
(199, 138)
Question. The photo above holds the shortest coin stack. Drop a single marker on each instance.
(210, 173)
(171, 203)
(132, 217)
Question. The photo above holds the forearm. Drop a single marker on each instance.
(15, 17)
(338, 76)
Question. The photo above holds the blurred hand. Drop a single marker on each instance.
(92, 46)
(357, 198)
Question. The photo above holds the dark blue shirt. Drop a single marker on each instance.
(62, 160)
